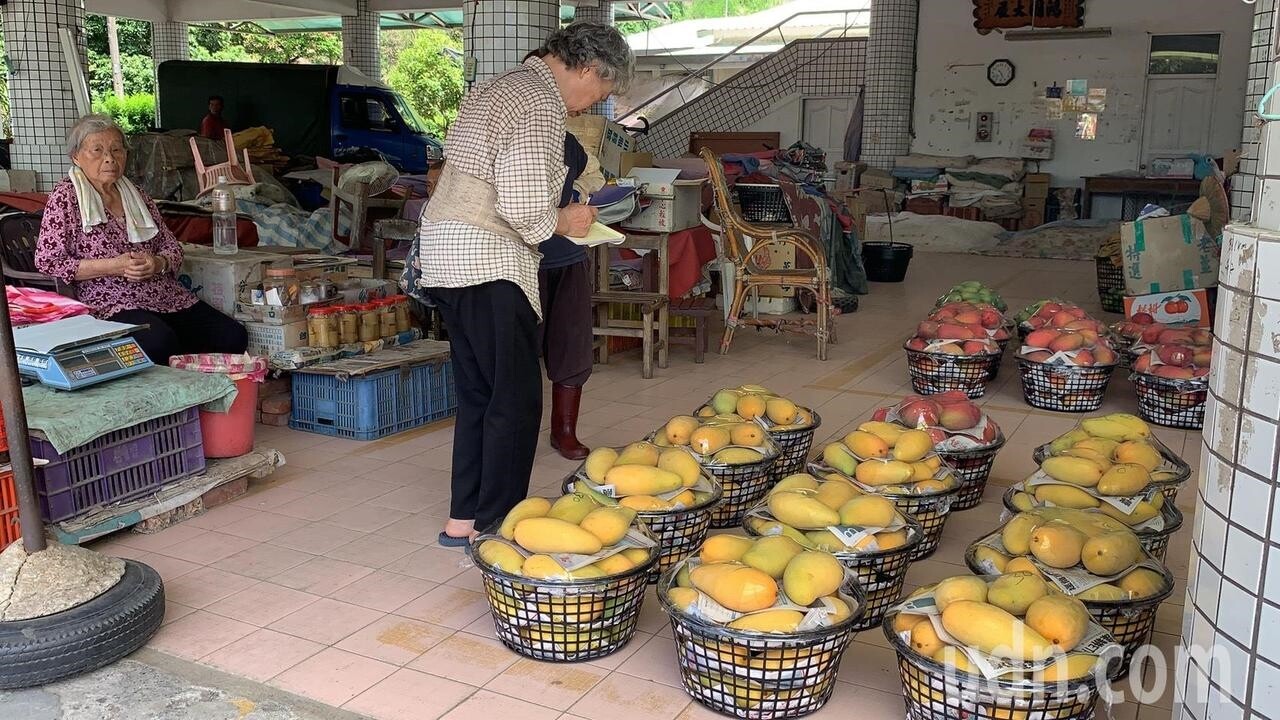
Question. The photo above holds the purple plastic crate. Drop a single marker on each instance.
(121, 465)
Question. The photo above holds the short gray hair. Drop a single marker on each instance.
(584, 44)
(89, 125)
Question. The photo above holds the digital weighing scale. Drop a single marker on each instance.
(77, 352)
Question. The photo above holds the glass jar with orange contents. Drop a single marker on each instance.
(401, 308)
(348, 324)
(368, 322)
(322, 327)
(386, 317)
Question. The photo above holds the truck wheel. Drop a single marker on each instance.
(86, 637)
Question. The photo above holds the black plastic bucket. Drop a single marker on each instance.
(886, 262)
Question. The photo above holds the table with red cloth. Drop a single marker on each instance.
(689, 252)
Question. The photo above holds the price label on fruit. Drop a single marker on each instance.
(1057, 493)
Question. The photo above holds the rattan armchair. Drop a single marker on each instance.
(752, 271)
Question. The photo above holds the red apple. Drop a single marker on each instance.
(880, 415)
(916, 413)
(1038, 356)
(990, 432)
(950, 331)
(936, 434)
(991, 318)
(975, 347)
(1103, 355)
(969, 317)
(950, 397)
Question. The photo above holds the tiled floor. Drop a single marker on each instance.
(326, 581)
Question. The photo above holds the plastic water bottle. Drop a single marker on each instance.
(224, 220)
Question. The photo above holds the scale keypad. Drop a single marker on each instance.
(130, 355)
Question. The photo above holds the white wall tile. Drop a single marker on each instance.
(1236, 610)
(1251, 503)
(1243, 562)
(1267, 279)
(1257, 445)
(1262, 378)
(1213, 538)
(1232, 322)
(1208, 588)
(1238, 259)
(1232, 672)
(1215, 479)
(1264, 333)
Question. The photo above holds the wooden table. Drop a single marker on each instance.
(657, 272)
(1130, 188)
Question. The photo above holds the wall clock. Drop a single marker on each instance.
(1000, 72)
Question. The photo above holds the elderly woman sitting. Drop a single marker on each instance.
(101, 235)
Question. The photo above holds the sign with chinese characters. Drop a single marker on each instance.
(989, 15)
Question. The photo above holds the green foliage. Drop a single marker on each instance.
(138, 72)
(134, 114)
(699, 9)
(134, 35)
(429, 80)
(316, 48)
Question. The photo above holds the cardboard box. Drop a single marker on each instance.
(222, 279)
(1181, 307)
(1166, 254)
(873, 177)
(323, 267)
(247, 312)
(629, 161)
(266, 338)
(674, 204)
(1036, 186)
(847, 174)
(780, 258)
(17, 180)
(605, 139)
(929, 205)
(1037, 149)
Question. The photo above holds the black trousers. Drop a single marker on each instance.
(197, 329)
(493, 333)
(565, 334)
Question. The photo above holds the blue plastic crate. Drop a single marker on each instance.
(373, 406)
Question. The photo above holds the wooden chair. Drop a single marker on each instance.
(751, 265)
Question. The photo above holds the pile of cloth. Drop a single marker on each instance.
(29, 306)
(260, 142)
(992, 184)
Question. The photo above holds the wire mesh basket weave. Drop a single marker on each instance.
(762, 202)
(760, 676)
(743, 485)
(1170, 487)
(1064, 388)
(1169, 402)
(1110, 285)
(973, 469)
(933, 373)
(795, 446)
(993, 370)
(1155, 542)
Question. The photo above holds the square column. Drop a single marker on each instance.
(360, 40)
(497, 34)
(890, 81)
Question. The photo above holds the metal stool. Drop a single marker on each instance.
(384, 230)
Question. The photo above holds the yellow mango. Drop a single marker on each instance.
(1022, 501)
(637, 556)
(781, 411)
(804, 418)
(751, 406)
(1102, 446)
(1142, 583)
(542, 567)
(642, 480)
(615, 564)
(724, 548)
(802, 511)
(1057, 545)
(885, 431)
(990, 558)
(837, 456)
(931, 487)
(1065, 496)
(598, 463)
(1067, 440)
(1117, 426)
(639, 453)
(610, 524)
(704, 412)
(738, 456)
(994, 631)
(866, 445)
(765, 528)
(888, 540)
(746, 434)
(572, 609)
(682, 576)
(868, 511)
(644, 503)
(737, 587)
(779, 621)
(501, 556)
(725, 401)
(903, 622)
(771, 554)
(1102, 461)
(799, 481)
(1124, 480)
(840, 609)
(1015, 592)
(682, 597)
(527, 508)
(684, 499)
(677, 460)
(960, 587)
(587, 572)
(1016, 534)
(824, 540)
(925, 640)
(1144, 511)
(810, 575)
(1104, 592)
(1075, 666)
(1111, 553)
(679, 429)
(572, 507)
(1139, 452)
(835, 493)
(709, 439)
(876, 474)
(912, 446)
(551, 536)
(1074, 470)
(1060, 619)
(953, 657)
(1022, 565)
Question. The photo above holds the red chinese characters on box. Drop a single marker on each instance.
(1180, 307)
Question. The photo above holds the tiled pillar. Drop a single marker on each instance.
(1260, 54)
(891, 62)
(360, 40)
(1229, 667)
(497, 34)
(42, 104)
(169, 41)
(602, 13)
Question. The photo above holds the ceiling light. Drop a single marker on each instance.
(1057, 33)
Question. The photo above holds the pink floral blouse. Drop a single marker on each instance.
(63, 244)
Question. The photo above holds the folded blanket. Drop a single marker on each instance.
(911, 173)
(918, 160)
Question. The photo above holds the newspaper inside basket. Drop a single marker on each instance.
(1125, 504)
(1097, 641)
(850, 535)
(1155, 524)
(1073, 580)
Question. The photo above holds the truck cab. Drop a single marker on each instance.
(366, 113)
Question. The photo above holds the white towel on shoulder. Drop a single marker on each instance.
(137, 218)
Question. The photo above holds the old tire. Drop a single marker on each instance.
(86, 637)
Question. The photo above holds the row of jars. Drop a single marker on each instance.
(334, 325)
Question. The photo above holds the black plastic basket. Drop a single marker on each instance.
(933, 691)
(1169, 402)
(1155, 542)
(795, 446)
(1110, 285)
(1172, 462)
(761, 676)
(972, 469)
(993, 369)
(743, 485)
(934, 373)
(563, 620)
(1064, 388)
(679, 532)
(762, 202)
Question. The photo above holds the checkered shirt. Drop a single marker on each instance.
(510, 134)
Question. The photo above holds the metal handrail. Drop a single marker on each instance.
(776, 26)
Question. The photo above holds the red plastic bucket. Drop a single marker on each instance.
(228, 434)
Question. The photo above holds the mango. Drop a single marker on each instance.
(680, 428)
(1065, 496)
(953, 657)
(912, 445)
(572, 507)
(1142, 583)
(709, 439)
(542, 567)
(609, 524)
(1015, 592)
(920, 471)
(1112, 553)
(868, 511)
(680, 462)
(642, 480)
(1074, 470)
(772, 554)
(878, 474)
(925, 640)
(1022, 565)
(746, 434)
(804, 418)
(746, 694)
(1142, 512)
(903, 622)
(1067, 440)
(725, 401)
(779, 621)
(1060, 619)
(932, 487)
(572, 609)
(587, 572)
(527, 508)
(1117, 426)
(810, 575)
(1102, 446)
(802, 511)
(824, 540)
(991, 559)
(960, 587)
(501, 556)
(866, 446)
(1057, 545)
(889, 540)
(704, 412)
(994, 631)
(837, 456)
(767, 528)
(781, 411)
(1022, 501)
(885, 431)
(738, 456)
(640, 453)
(799, 481)
(1124, 480)
(724, 548)
(1105, 592)
(682, 576)
(598, 463)
(1016, 534)
(615, 564)
(1102, 461)
(684, 499)
(637, 556)
(1138, 452)
(1075, 666)
(644, 503)
(551, 536)
(735, 586)
(751, 406)
(682, 598)
(835, 493)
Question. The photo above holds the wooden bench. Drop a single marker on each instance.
(650, 304)
(698, 308)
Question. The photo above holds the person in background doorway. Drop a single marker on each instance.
(212, 125)
(498, 199)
